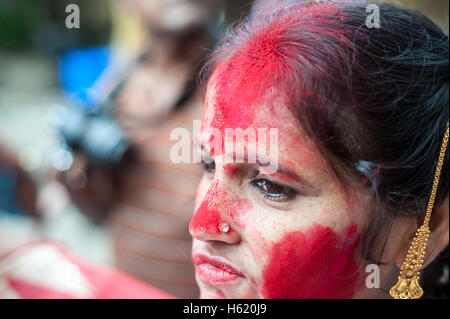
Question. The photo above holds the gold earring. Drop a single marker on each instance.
(408, 286)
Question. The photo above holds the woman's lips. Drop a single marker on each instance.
(215, 271)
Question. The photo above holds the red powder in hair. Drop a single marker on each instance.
(312, 265)
(263, 66)
(242, 82)
(264, 62)
(244, 79)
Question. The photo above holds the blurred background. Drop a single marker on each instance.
(85, 115)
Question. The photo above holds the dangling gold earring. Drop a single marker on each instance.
(408, 286)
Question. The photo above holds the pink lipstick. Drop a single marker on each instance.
(215, 271)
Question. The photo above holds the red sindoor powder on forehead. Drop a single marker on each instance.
(312, 265)
(242, 82)
(262, 64)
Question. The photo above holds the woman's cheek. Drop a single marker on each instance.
(314, 264)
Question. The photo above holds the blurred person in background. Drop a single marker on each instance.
(31, 264)
(17, 189)
(145, 89)
(146, 199)
(155, 196)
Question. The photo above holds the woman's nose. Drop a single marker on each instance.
(211, 222)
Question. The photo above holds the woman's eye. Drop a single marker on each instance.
(274, 191)
(209, 166)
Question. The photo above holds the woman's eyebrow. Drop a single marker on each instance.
(281, 170)
(291, 174)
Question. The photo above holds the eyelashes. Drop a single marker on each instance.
(209, 166)
(273, 191)
(269, 189)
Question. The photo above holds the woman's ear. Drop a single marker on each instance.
(403, 231)
(400, 238)
(439, 227)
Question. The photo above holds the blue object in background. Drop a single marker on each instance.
(8, 196)
(80, 69)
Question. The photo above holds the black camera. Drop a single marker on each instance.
(94, 132)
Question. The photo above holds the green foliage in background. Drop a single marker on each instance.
(17, 22)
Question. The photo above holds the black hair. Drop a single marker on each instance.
(381, 98)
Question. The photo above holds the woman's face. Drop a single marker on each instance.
(293, 232)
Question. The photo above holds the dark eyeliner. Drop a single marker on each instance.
(285, 193)
(208, 167)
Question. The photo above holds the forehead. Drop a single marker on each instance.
(230, 107)
(239, 95)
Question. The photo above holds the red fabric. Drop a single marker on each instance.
(28, 290)
(16, 269)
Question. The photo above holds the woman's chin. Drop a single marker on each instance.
(238, 290)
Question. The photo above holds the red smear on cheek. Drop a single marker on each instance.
(312, 265)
